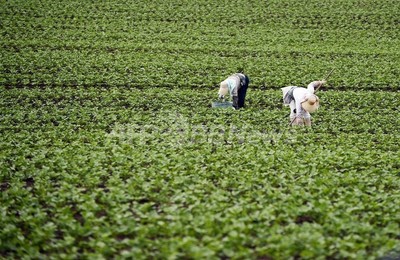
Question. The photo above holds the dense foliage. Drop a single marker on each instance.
(197, 43)
(109, 145)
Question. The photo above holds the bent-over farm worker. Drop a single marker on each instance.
(302, 102)
(236, 85)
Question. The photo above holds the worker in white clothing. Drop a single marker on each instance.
(302, 102)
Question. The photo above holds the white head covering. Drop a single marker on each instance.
(223, 88)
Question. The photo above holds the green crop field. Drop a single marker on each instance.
(109, 147)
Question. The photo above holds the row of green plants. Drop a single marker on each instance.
(90, 68)
(89, 106)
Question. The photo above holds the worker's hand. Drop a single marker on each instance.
(322, 82)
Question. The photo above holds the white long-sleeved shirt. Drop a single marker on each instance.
(233, 82)
(300, 94)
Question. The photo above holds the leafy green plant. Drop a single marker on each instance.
(109, 146)
(89, 172)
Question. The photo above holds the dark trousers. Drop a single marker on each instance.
(242, 95)
(238, 102)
